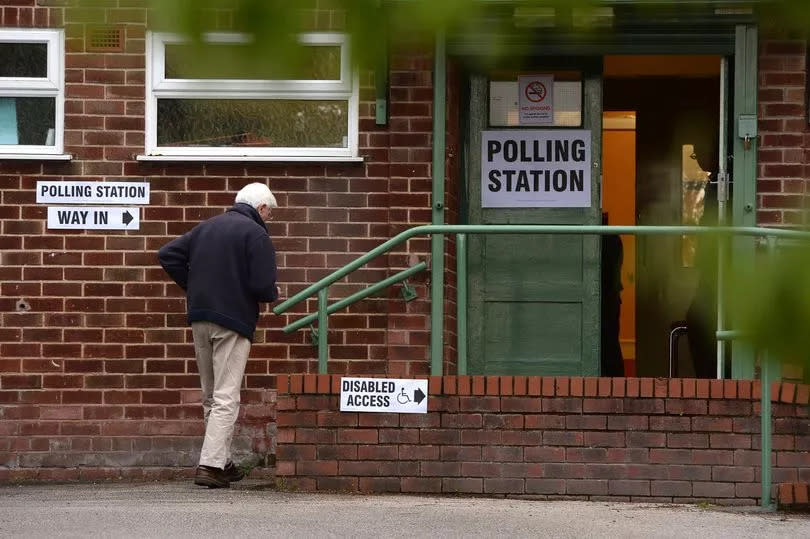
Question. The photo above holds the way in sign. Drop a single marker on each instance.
(93, 218)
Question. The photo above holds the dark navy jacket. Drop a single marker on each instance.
(226, 265)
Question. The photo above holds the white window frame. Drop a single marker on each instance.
(159, 87)
(52, 86)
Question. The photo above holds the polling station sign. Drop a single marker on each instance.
(383, 395)
(87, 192)
(536, 168)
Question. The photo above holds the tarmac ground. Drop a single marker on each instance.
(250, 509)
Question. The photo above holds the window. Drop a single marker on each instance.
(566, 92)
(32, 94)
(216, 110)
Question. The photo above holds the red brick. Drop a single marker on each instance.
(788, 392)
(464, 383)
(296, 384)
(618, 387)
(633, 387)
(535, 386)
(421, 484)
(462, 485)
(310, 383)
(493, 385)
(577, 389)
(802, 394)
(744, 389)
(591, 387)
(647, 388)
(449, 385)
(478, 385)
(785, 494)
(800, 493)
(702, 388)
(716, 389)
(590, 487)
(605, 387)
(318, 467)
(506, 385)
(521, 385)
(675, 388)
(547, 387)
(521, 404)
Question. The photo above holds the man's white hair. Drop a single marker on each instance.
(256, 194)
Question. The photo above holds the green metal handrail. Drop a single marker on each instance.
(527, 229)
(324, 310)
(357, 296)
(437, 325)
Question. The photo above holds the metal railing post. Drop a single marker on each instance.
(323, 330)
(437, 201)
(765, 408)
(461, 303)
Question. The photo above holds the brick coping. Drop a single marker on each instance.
(566, 386)
(793, 496)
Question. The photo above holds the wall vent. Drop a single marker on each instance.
(105, 38)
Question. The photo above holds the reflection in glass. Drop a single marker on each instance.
(308, 63)
(24, 60)
(693, 200)
(252, 123)
(27, 121)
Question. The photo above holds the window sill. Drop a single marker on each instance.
(249, 158)
(36, 157)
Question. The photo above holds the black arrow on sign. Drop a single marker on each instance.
(418, 396)
(126, 217)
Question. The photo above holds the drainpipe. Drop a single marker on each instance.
(437, 203)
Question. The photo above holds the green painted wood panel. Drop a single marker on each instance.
(534, 301)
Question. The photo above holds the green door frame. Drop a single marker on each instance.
(744, 175)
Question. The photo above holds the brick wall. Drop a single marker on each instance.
(96, 363)
(632, 439)
(783, 129)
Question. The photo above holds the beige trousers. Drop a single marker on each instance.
(221, 356)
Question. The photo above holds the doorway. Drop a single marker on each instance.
(534, 302)
(661, 126)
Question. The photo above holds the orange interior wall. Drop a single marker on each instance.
(619, 201)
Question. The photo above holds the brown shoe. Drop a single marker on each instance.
(208, 476)
(233, 472)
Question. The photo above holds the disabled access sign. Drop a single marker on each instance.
(383, 395)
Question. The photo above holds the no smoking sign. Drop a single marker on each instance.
(536, 96)
(535, 91)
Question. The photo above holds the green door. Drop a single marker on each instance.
(534, 300)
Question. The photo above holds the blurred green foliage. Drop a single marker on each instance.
(770, 300)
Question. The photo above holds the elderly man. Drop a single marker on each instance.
(226, 265)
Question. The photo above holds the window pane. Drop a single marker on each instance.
(505, 111)
(238, 61)
(24, 60)
(252, 123)
(27, 120)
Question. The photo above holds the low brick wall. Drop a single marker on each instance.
(633, 439)
(49, 440)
